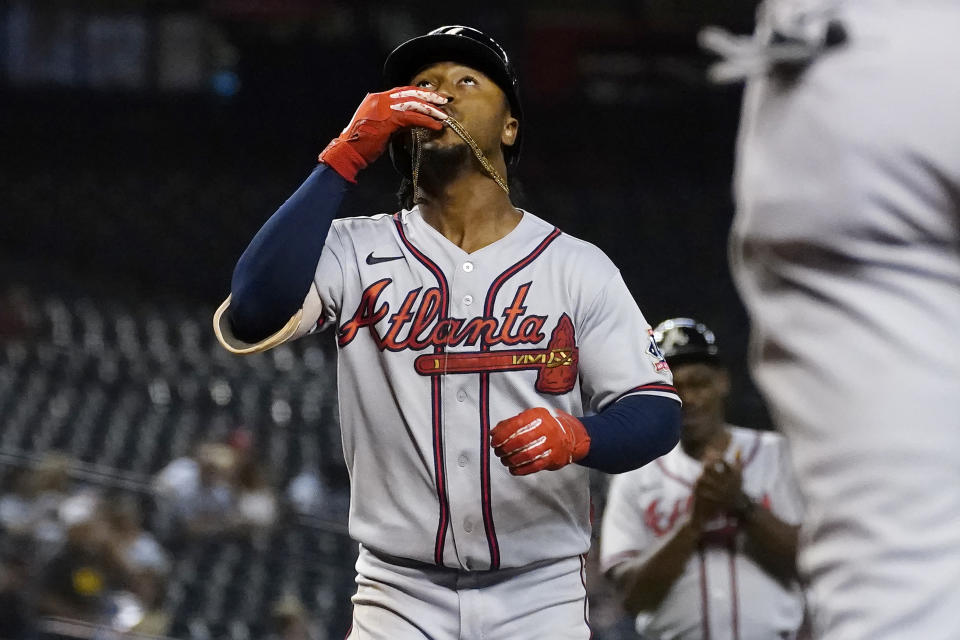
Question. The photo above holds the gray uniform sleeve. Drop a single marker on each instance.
(617, 354)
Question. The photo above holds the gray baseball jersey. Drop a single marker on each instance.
(846, 248)
(722, 593)
(436, 346)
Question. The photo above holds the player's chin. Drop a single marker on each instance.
(445, 138)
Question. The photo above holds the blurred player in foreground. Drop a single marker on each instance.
(468, 330)
(702, 543)
(846, 249)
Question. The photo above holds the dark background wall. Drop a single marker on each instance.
(145, 161)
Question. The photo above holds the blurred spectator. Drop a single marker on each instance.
(79, 507)
(150, 587)
(138, 549)
(146, 562)
(256, 501)
(310, 494)
(181, 476)
(221, 489)
(77, 581)
(290, 621)
(16, 507)
(241, 440)
(209, 509)
(195, 494)
(32, 507)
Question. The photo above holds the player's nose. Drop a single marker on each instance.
(445, 94)
(448, 109)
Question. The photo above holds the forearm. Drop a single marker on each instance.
(772, 542)
(274, 273)
(632, 432)
(645, 582)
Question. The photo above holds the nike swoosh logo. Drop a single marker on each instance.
(372, 260)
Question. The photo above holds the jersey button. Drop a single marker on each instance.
(462, 461)
(468, 266)
(461, 395)
(468, 300)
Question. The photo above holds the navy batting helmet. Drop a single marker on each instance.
(684, 340)
(468, 46)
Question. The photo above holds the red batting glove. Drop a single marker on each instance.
(536, 440)
(379, 116)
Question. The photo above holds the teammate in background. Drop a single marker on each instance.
(468, 330)
(846, 250)
(702, 543)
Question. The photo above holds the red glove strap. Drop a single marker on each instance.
(343, 159)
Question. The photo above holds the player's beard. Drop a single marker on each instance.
(441, 164)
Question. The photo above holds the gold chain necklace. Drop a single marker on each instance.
(460, 131)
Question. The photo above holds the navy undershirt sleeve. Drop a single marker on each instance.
(632, 432)
(273, 275)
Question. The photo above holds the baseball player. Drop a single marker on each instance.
(846, 250)
(468, 331)
(702, 543)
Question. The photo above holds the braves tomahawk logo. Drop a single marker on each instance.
(419, 323)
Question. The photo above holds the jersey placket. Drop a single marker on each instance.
(461, 411)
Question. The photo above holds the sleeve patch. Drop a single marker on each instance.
(655, 354)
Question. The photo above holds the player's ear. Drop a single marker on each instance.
(510, 128)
